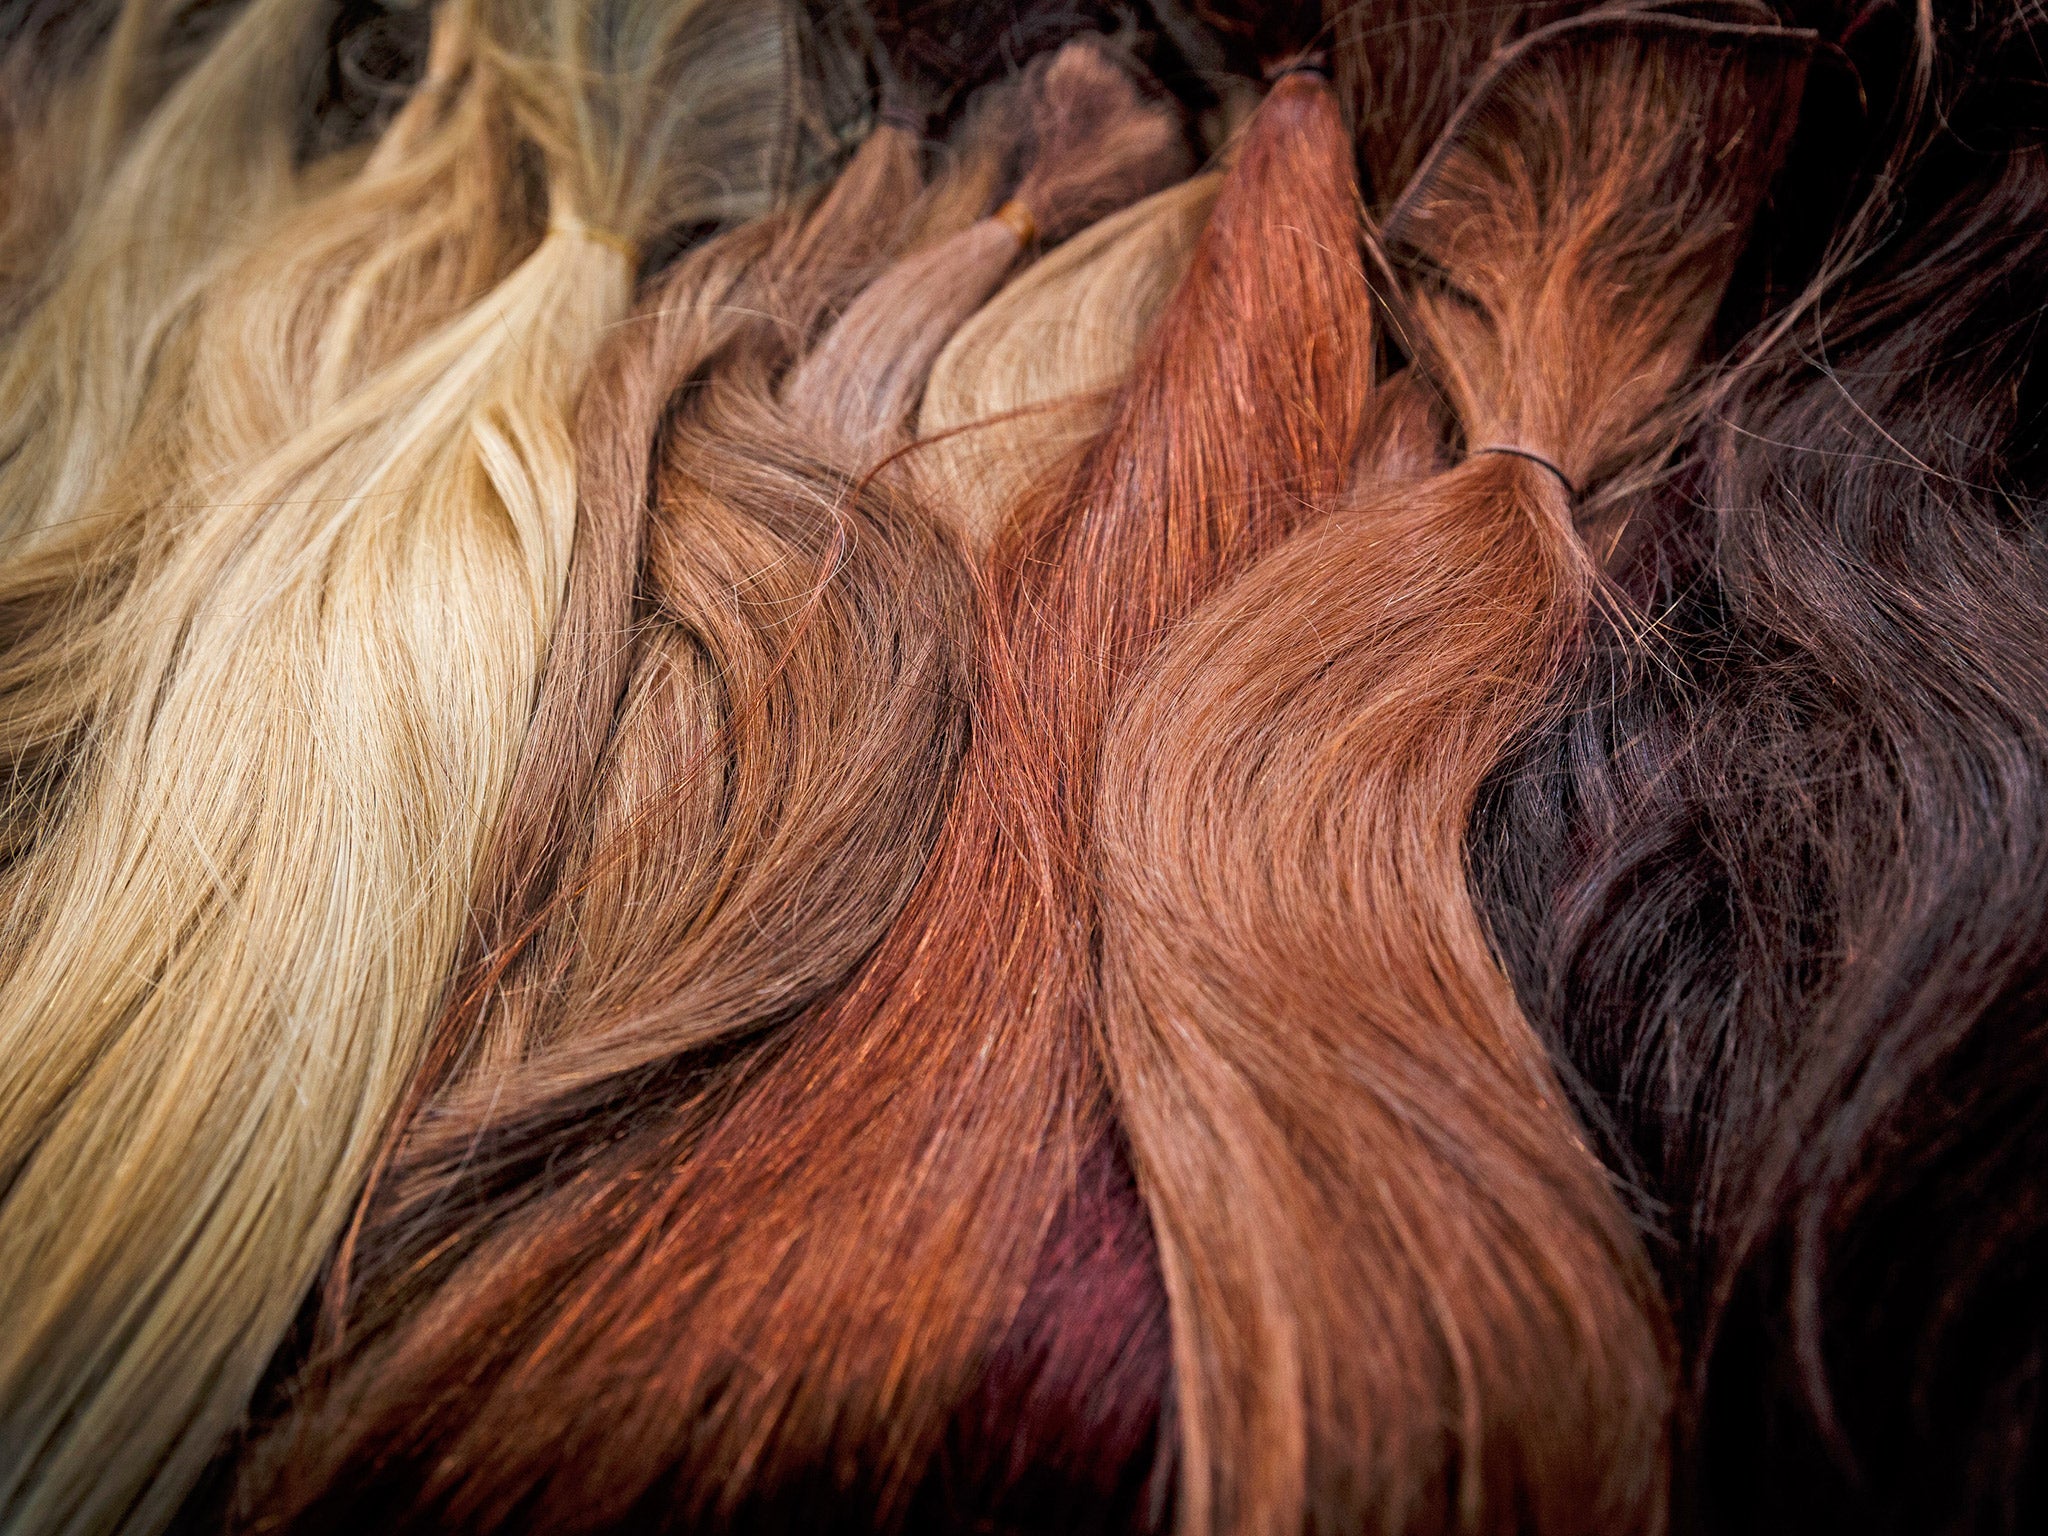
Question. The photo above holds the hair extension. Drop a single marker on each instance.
(835, 1431)
(1404, 1296)
(43, 104)
(901, 321)
(60, 592)
(446, 177)
(607, 728)
(1029, 379)
(1774, 888)
(238, 934)
(214, 158)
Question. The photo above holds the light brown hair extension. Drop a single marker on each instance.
(221, 962)
(1030, 378)
(1094, 151)
(1405, 1297)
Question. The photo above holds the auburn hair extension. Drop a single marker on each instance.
(1404, 1296)
(229, 949)
(1404, 68)
(688, 1255)
(1029, 378)
(1774, 888)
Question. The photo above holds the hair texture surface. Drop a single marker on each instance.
(867, 1203)
(754, 779)
(1404, 1296)
(1773, 887)
(778, 764)
(222, 957)
(1094, 151)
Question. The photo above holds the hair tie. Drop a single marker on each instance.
(1534, 458)
(897, 115)
(1019, 220)
(575, 229)
(1313, 62)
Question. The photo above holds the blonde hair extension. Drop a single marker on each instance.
(77, 80)
(436, 217)
(239, 932)
(213, 162)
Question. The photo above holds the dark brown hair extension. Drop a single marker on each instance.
(777, 1329)
(1405, 1298)
(1774, 884)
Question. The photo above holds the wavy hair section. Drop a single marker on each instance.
(672, 1252)
(1405, 1297)
(1771, 884)
(777, 767)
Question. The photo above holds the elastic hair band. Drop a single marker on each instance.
(1314, 62)
(576, 229)
(1534, 458)
(896, 115)
(1020, 222)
